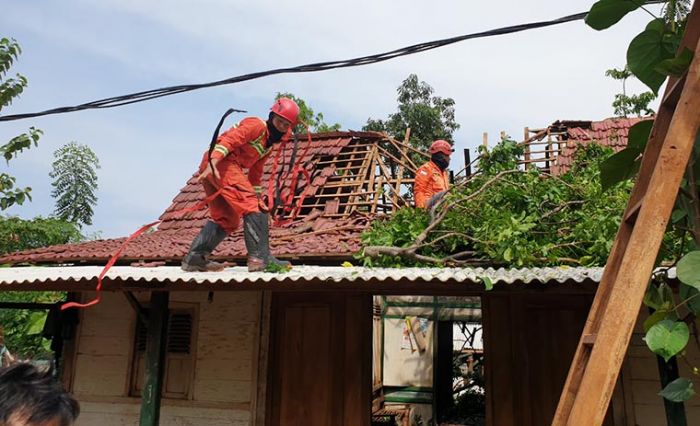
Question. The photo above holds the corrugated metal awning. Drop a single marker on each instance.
(79, 278)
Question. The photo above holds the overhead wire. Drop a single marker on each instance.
(146, 95)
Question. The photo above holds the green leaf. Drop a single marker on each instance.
(618, 168)
(645, 52)
(667, 338)
(678, 215)
(688, 269)
(676, 66)
(36, 323)
(679, 390)
(692, 295)
(654, 318)
(488, 284)
(606, 13)
(508, 254)
(639, 135)
(657, 25)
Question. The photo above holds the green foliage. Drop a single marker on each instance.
(518, 218)
(650, 56)
(11, 88)
(430, 117)
(606, 13)
(399, 231)
(688, 269)
(19, 234)
(624, 104)
(23, 327)
(648, 50)
(315, 121)
(667, 338)
(75, 183)
(625, 164)
(679, 390)
(676, 66)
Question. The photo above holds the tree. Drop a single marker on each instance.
(505, 216)
(315, 121)
(23, 327)
(428, 116)
(635, 104)
(10, 88)
(75, 183)
(19, 234)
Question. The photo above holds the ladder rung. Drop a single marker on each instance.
(589, 339)
(631, 215)
(674, 94)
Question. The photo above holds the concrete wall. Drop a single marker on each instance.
(222, 386)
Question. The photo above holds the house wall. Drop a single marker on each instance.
(643, 373)
(222, 387)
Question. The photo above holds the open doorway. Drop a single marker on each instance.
(427, 361)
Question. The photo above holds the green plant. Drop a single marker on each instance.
(11, 88)
(507, 216)
(75, 182)
(428, 116)
(314, 120)
(624, 104)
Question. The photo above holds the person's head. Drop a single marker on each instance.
(284, 113)
(32, 397)
(440, 152)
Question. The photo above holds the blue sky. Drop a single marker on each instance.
(80, 50)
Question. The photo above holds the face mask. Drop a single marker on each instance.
(441, 160)
(274, 135)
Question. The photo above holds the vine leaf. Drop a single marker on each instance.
(606, 13)
(679, 390)
(667, 338)
(688, 269)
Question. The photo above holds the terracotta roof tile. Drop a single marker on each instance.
(315, 237)
(610, 132)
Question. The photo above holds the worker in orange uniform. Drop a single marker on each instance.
(432, 180)
(238, 159)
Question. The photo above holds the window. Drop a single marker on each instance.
(179, 358)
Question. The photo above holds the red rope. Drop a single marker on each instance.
(115, 256)
(288, 205)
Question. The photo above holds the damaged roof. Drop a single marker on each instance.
(610, 132)
(349, 185)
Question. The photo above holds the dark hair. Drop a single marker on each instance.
(35, 395)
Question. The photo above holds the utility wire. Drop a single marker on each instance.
(315, 67)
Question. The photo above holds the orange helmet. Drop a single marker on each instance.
(287, 109)
(441, 146)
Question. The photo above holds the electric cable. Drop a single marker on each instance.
(132, 98)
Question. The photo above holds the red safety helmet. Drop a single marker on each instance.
(287, 109)
(441, 146)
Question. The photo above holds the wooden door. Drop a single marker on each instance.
(530, 340)
(320, 360)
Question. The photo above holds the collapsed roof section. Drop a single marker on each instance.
(354, 176)
(552, 149)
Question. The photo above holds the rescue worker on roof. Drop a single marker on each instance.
(238, 160)
(432, 179)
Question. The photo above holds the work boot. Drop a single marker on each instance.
(197, 259)
(256, 231)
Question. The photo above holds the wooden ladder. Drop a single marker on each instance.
(603, 344)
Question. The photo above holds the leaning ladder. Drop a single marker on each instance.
(603, 344)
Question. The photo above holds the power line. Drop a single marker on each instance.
(315, 67)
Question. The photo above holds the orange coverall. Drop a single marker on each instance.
(241, 147)
(429, 181)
